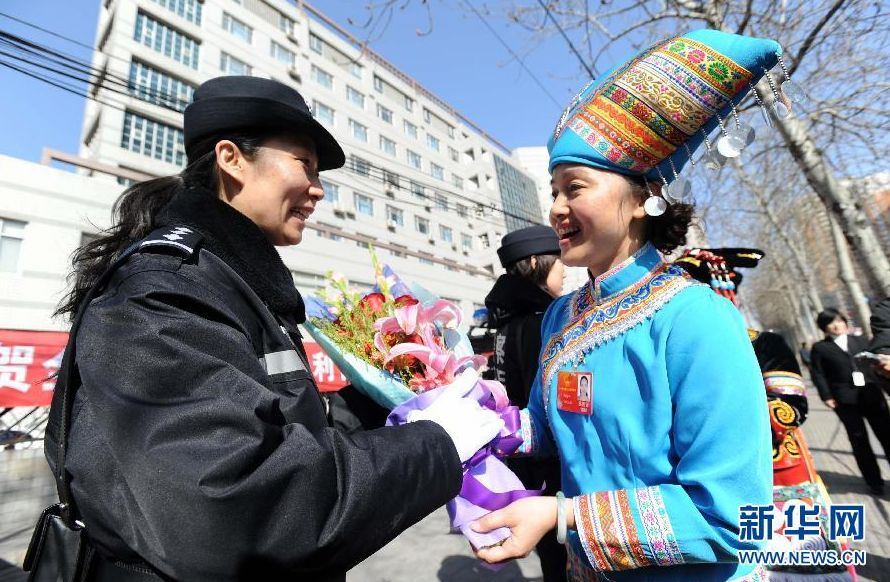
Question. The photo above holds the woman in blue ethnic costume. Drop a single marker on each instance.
(794, 473)
(652, 471)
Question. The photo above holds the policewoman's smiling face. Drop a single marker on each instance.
(277, 189)
(597, 215)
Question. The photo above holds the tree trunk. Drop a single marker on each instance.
(801, 265)
(847, 274)
(837, 199)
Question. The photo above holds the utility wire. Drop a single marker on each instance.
(512, 53)
(96, 79)
(567, 39)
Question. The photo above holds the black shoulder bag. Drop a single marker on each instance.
(59, 550)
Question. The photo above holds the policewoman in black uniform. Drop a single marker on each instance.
(199, 446)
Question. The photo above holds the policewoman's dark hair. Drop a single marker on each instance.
(135, 211)
(538, 273)
(668, 231)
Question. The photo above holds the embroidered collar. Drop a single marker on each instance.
(618, 279)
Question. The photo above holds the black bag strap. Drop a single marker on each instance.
(182, 240)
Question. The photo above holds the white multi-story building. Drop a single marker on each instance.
(431, 190)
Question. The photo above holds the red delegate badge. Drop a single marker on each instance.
(574, 392)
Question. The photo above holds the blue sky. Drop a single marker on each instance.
(460, 60)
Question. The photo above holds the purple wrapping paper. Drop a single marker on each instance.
(488, 483)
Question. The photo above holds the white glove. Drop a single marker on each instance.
(469, 425)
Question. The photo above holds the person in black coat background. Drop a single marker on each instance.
(516, 306)
(847, 385)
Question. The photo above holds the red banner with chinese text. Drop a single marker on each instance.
(29, 358)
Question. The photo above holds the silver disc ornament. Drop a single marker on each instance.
(655, 206)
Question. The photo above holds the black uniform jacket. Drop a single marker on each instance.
(199, 441)
(516, 309)
(832, 369)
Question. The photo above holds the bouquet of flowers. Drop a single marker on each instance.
(401, 346)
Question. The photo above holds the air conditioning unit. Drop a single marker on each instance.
(428, 208)
(467, 253)
(293, 38)
(343, 210)
(432, 241)
(392, 225)
(295, 74)
(390, 192)
(453, 247)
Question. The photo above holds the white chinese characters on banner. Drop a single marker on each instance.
(323, 369)
(14, 362)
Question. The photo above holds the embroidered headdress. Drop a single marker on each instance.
(648, 115)
(719, 267)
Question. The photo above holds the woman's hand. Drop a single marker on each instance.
(831, 403)
(528, 519)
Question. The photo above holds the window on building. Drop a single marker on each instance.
(413, 159)
(410, 129)
(12, 233)
(433, 142)
(425, 260)
(483, 241)
(462, 211)
(285, 24)
(354, 69)
(437, 171)
(316, 44)
(188, 9)
(384, 113)
(282, 55)
(441, 201)
(232, 66)
(360, 165)
(167, 41)
(466, 242)
(388, 146)
(409, 103)
(446, 234)
(395, 216)
(153, 139)
(417, 190)
(453, 154)
(457, 181)
(150, 84)
(331, 191)
(363, 204)
(355, 97)
(378, 84)
(323, 113)
(237, 28)
(422, 225)
(358, 131)
(322, 77)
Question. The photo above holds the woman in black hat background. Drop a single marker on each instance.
(516, 306)
(199, 446)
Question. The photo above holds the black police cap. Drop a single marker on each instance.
(237, 103)
(525, 242)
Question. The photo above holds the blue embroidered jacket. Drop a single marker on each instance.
(678, 437)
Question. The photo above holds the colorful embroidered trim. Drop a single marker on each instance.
(758, 574)
(639, 115)
(597, 291)
(659, 533)
(579, 571)
(615, 316)
(607, 531)
(782, 382)
(527, 432)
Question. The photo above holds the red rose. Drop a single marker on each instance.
(405, 301)
(373, 301)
